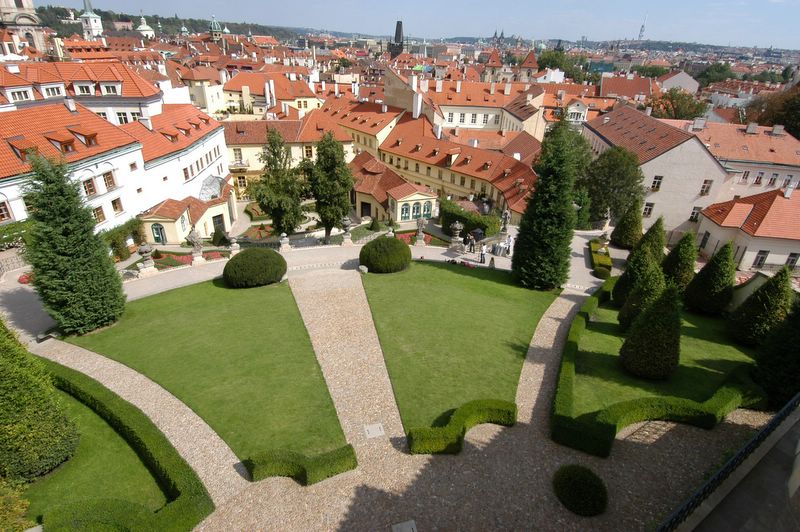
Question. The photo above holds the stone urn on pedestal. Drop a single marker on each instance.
(147, 266)
(235, 248)
(347, 239)
(455, 241)
(285, 243)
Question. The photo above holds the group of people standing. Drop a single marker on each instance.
(470, 244)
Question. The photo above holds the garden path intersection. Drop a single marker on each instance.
(500, 481)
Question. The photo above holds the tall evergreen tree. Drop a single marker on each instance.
(638, 261)
(778, 361)
(279, 192)
(765, 309)
(580, 197)
(653, 346)
(679, 265)
(654, 240)
(330, 181)
(711, 290)
(73, 272)
(647, 289)
(542, 250)
(614, 181)
(628, 231)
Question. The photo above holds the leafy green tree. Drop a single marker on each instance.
(765, 309)
(650, 71)
(711, 290)
(580, 197)
(73, 272)
(280, 190)
(638, 261)
(647, 289)
(574, 67)
(786, 74)
(614, 182)
(653, 347)
(654, 240)
(778, 361)
(678, 104)
(714, 73)
(345, 63)
(779, 108)
(542, 250)
(330, 181)
(679, 265)
(628, 231)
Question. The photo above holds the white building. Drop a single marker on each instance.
(90, 22)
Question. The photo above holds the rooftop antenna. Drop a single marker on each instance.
(641, 30)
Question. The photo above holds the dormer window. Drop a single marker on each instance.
(20, 95)
(52, 92)
(84, 90)
(110, 89)
(171, 138)
(68, 146)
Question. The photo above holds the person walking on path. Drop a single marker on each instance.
(483, 253)
(471, 243)
(509, 242)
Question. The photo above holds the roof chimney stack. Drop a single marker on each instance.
(70, 103)
(507, 89)
(437, 130)
(606, 119)
(649, 111)
(788, 192)
(492, 87)
(384, 108)
(458, 86)
(146, 122)
(517, 156)
(438, 85)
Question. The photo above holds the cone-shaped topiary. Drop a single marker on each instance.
(36, 434)
(638, 261)
(711, 290)
(580, 490)
(254, 267)
(385, 255)
(652, 349)
(654, 240)
(765, 309)
(375, 225)
(778, 362)
(648, 287)
(679, 265)
(628, 230)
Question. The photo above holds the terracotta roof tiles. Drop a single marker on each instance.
(769, 214)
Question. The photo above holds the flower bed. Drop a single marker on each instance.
(258, 232)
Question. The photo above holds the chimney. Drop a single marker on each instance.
(752, 128)
(649, 111)
(336, 89)
(323, 88)
(507, 89)
(70, 103)
(777, 130)
(412, 82)
(606, 119)
(417, 103)
(437, 131)
(456, 131)
(273, 100)
(458, 86)
(492, 87)
(285, 108)
(560, 94)
(384, 108)
(423, 85)
(503, 132)
(438, 85)
(301, 114)
(473, 143)
(699, 124)
(517, 156)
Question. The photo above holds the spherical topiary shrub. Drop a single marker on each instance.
(385, 255)
(580, 490)
(254, 267)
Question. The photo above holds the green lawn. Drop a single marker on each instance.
(451, 334)
(104, 466)
(707, 358)
(241, 359)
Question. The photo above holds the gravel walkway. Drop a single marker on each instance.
(197, 443)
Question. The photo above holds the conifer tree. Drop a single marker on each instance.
(765, 309)
(72, 269)
(711, 290)
(778, 361)
(679, 265)
(628, 231)
(655, 240)
(647, 289)
(638, 261)
(279, 191)
(652, 348)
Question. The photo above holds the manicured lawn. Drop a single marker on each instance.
(707, 358)
(241, 359)
(104, 466)
(451, 335)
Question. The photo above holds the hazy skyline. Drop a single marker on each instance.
(760, 23)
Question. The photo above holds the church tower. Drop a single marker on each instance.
(92, 25)
(215, 29)
(19, 17)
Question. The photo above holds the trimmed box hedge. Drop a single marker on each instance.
(305, 470)
(449, 439)
(450, 211)
(594, 433)
(189, 502)
(601, 262)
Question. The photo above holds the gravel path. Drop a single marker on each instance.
(197, 443)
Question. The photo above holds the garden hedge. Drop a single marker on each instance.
(253, 210)
(385, 255)
(188, 501)
(580, 490)
(601, 262)
(450, 211)
(254, 267)
(449, 439)
(594, 433)
(306, 470)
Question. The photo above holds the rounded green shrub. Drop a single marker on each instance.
(628, 231)
(219, 238)
(601, 272)
(385, 255)
(580, 490)
(765, 309)
(711, 290)
(679, 265)
(35, 433)
(375, 225)
(652, 349)
(254, 267)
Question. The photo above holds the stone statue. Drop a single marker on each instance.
(194, 239)
(505, 218)
(456, 228)
(420, 225)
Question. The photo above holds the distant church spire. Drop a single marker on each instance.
(87, 6)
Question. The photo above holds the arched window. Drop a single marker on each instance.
(426, 209)
(29, 38)
(404, 212)
(415, 211)
(159, 236)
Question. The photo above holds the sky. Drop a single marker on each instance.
(760, 23)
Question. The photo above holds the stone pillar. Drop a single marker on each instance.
(148, 266)
(197, 257)
(285, 243)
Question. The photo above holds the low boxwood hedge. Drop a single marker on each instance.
(385, 255)
(449, 439)
(254, 267)
(601, 262)
(580, 490)
(594, 433)
(188, 501)
(305, 470)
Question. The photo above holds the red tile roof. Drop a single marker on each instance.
(372, 177)
(366, 117)
(620, 86)
(133, 85)
(768, 215)
(285, 89)
(529, 61)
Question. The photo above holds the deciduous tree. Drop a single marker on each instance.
(614, 182)
(330, 181)
(677, 104)
(280, 190)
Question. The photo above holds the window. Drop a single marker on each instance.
(428, 171)
(20, 96)
(474, 118)
(116, 204)
(133, 166)
(791, 262)
(787, 181)
(308, 151)
(405, 212)
(463, 180)
(99, 215)
(5, 212)
(706, 188)
(241, 181)
(439, 171)
(84, 89)
(758, 179)
(496, 120)
(695, 214)
(110, 89)
(122, 118)
(237, 155)
(427, 209)
(102, 115)
(745, 176)
(485, 119)
(461, 118)
(450, 117)
(416, 167)
(186, 174)
(761, 258)
(135, 116)
(656, 185)
(648, 210)
(52, 91)
(216, 151)
(88, 188)
(183, 222)
(772, 180)
(108, 181)
(416, 211)
(704, 241)
(472, 184)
